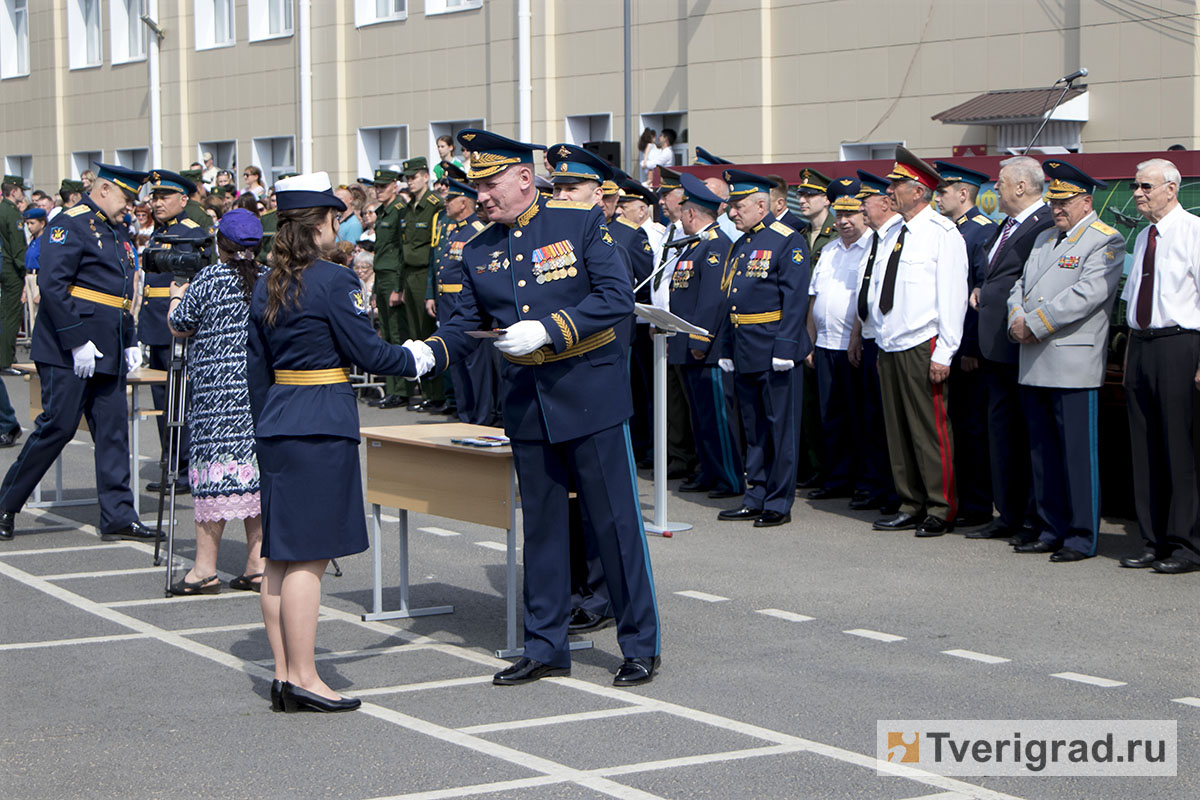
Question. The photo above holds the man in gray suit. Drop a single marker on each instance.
(1058, 312)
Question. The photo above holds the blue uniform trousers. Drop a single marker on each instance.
(840, 427)
(65, 398)
(875, 475)
(477, 386)
(969, 423)
(600, 467)
(767, 401)
(160, 358)
(1008, 445)
(1066, 470)
(589, 589)
(720, 457)
(8, 417)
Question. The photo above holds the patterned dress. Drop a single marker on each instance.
(224, 472)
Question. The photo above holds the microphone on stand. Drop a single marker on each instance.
(674, 244)
(1074, 76)
(1066, 81)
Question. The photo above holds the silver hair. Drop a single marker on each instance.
(1169, 171)
(364, 259)
(1028, 170)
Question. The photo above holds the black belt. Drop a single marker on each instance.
(1157, 333)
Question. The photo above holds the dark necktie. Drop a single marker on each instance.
(1062, 235)
(887, 296)
(665, 256)
(864, 290)
(1009, 224)
(1145, 300)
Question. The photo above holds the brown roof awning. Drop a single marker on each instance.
(1007, 105)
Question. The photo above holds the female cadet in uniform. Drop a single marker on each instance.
(308, 323)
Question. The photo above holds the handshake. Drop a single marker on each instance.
(519, 339)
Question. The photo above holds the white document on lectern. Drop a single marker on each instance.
(665, 320)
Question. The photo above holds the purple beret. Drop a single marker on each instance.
(241, 227)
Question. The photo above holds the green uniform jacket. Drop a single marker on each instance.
(196, 213)
(388, 227)
(12, 238)
(417, 230)
(824, 236)
(270, 224)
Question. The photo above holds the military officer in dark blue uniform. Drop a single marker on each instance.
(549, 274)
(698, 296)
(634, 240)
(969, 413)
(169, 193)
(766, 277)
(706, 159)
(83, 344)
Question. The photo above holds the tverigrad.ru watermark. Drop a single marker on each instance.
(1079, 747)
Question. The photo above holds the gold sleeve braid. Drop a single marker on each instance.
(563, 328)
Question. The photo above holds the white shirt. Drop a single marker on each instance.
(1024, 215)
(888, 228)
(659, 157)
(834, 287)
(660, 284)
(728, 228)
(930, 297)
(1176, 273)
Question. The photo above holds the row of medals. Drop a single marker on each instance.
(757, 267)
(557, 268)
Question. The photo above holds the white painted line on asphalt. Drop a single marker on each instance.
(581, 716)
(369, 651)
(981, 657)
(75, 548)
(439, 531)
(705, 596)
(790, 616)
(404, 688)
(189, 598)
(878, 636)
(118, 637)
(494, 546)
(478, 788)
(1088, 679)
(707, 758)
(942, 796)
(389, 518)
(103, 573)
(1188, 701)
(245, 626)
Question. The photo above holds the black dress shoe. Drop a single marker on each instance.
(809, 482)
(828, 493)
(721, 494)
(297, 699)
(769, 519)
(973, 520)
(889, 508)
(584, 621)
(8, 521)
(1037, 546)
(865, 502)
(134, 532)
(995, 530)
(1174, 566)
(392, 401)
(527, 671)
(742, 513)
(933, 526)
(12, 373)
(181, 486)
(897, 522)
(277, 695)
(636, 671)
(1144, 561)
(1067, 554)
(9, 438)
(695, 485)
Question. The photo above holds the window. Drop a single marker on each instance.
(83, 160)
(381, 147)
(214, 24)
(446, 6)
(128, 30)
(449, 128)
(83, 33)
(20, 165)
(866, 151)
(657, 121)
(582, 128)
(14, 39)
(275, 155)
(371, 12)
(224, 154)
(269, 19)
(134, 158)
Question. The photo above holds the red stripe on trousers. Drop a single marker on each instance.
(939, 420)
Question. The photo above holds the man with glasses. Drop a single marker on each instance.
(1058, 312)
(1162, 296)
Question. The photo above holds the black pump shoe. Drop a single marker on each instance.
(297, 699)
(277, 695)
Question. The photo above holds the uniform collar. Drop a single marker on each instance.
(762, 223)
(528, 214)
(86, 200)
(970, 213)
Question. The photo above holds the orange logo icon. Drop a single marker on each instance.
(904, 748)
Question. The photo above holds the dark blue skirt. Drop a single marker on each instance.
(312, 498)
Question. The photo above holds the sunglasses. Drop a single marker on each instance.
(1145, 187)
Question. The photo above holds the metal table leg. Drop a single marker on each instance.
(404, 611)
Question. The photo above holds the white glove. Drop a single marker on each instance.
(85, 359)
(782, 364)
(522, 338)
(422, 355)
(726, 364)
(133, 358)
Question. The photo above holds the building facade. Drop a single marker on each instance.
(359, 83)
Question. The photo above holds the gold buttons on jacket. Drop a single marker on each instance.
(517, 234)
(520, 257)
(525, 309)
(521, 282)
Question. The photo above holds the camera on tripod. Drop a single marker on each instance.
(181, 256)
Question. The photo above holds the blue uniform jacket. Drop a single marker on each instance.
(81, 248)
(327, 328)
(558, 264)
(697, 296)
(978, 231)
(446, 276)
(152, 319)
(636, 244)
(767, 273)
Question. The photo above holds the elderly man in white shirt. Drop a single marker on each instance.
(918, 299)
(1162, 371)
(832, 312)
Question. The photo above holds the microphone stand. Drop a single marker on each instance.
(1046, 118)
